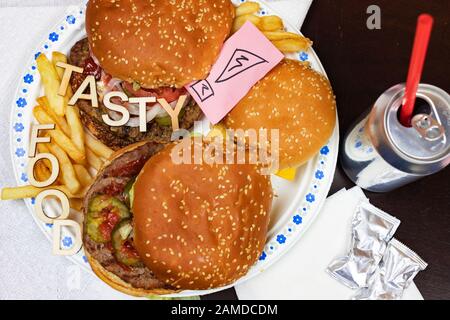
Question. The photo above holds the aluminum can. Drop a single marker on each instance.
(379, 154)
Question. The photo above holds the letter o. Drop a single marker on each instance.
(53, 176)
(64, 202)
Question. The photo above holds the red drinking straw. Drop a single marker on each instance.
(423, 33)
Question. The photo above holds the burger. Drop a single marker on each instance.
(147, 48)
(155, 227)
(295, 100)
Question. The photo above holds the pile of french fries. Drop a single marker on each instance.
(79, 154)
(272, 27)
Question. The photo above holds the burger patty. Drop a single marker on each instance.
(112, 181)
(119, 137)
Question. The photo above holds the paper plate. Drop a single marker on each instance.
(298, 202)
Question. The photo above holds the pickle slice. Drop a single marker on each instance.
(122, 243)
(127, 192)
(104, 213)
(167, 121)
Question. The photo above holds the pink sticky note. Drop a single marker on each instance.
(246, 58)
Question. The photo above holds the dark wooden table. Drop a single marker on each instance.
(361, 64)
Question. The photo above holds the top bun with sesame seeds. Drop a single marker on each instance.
(158, 43)
(297, 101)
(199, 226)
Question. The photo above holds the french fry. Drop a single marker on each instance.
(76, 204)
(31, 192)
(98, 147)
(51, 83)
(60, 121)
(281, 35)
(72, 112)
(20, 192)
(80, 194)
(41, 172)
(271, 23)
(59, 137)
(247, 8)
(293, 45)
(241, 20)
(93, 160)
(76, 128)
(42, 148)
(61, 57)
(68, 174)
(83, 175)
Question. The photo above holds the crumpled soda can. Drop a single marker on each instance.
(395, 273)
(372, 229)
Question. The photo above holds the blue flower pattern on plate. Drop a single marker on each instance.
(36, 55)
(304, 56)
(20, 152)
(21, 102)
(281, 239)
(297, 219)
(263, 256)
(324, 151)
(24, 177)
(49, 225)
(310, 198)
(320, 175)
(28, 78)
(18, 127)
(67, 242)
(53, 37)
(71, 19)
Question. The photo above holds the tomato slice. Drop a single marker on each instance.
(170, 94)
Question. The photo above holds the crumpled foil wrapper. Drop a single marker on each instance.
(372, 229)
(395, 273)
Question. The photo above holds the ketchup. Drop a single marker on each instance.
(129, 250)
(92, 69)
(107, 226)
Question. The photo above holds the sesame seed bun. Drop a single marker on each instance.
(158, 43)
(296, 100)
(200, 226)
(120, 285)
(92, 249)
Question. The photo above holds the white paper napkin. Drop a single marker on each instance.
(300, 274)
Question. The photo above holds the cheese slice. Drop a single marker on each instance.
(288, 174)
(217, 131)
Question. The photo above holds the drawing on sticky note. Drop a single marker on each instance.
(246, 57)
(241, 60)
(203, 90)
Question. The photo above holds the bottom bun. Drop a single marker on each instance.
(116, 283)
